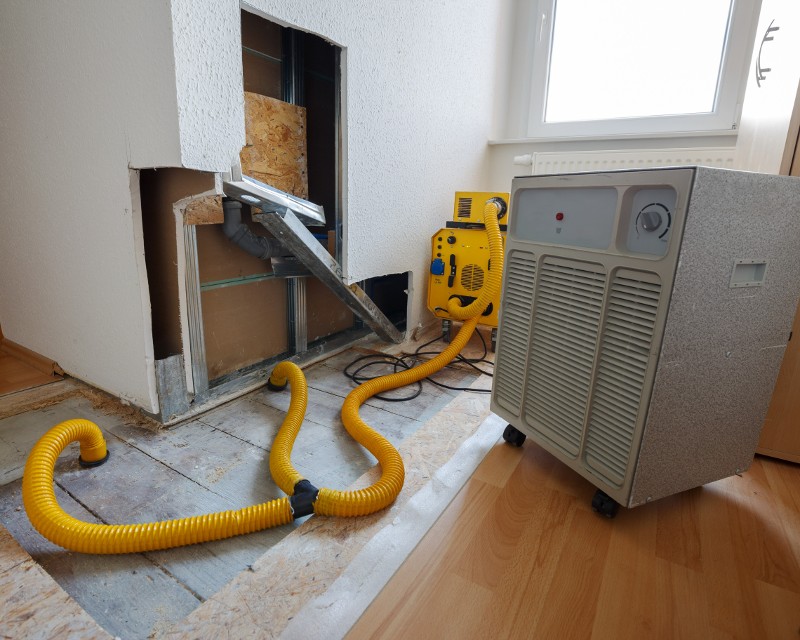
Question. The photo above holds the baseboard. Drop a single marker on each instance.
(31, 358)
(789, 456)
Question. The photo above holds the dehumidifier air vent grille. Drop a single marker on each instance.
(622, 366)
(566, 319)
(520, 279)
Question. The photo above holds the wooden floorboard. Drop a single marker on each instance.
(124, 593)
(218, 461)
(520, 554)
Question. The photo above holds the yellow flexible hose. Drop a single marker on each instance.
(280, 462)
(381, 494)
(49, 519)
(492, 286)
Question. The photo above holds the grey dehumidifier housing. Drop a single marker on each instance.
(643, 320)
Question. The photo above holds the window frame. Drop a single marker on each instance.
(742, 21)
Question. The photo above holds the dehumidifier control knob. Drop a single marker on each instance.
(651, 220)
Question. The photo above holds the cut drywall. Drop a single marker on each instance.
(417, 85)
(103, 88)
(159, 190)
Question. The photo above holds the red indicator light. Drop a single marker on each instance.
(559, 216)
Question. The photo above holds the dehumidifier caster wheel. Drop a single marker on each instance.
(494, 339)
(513, 436)
(604, 504)
(447, 330)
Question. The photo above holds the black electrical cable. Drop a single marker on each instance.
(408, 361)
(459, 358)
(383, 359)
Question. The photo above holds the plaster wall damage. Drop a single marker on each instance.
(95, 93)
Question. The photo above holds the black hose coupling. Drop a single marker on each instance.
(501, 205)
(276, 386)
(93, 463)
(303, 499)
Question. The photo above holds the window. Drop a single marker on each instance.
(627, 67)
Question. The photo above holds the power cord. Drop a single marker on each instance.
(408, 361)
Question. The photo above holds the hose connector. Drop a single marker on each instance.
(303, 499)
(277, 383)
(88, 464)
(502, 206)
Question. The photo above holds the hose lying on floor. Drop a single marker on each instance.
(49, 519)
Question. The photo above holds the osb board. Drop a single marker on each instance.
(159, 190)
(220, 259)
(275, 146)
(326, 314)
(243, 325)
(203, 210)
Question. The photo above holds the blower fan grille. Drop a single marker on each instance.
(472, 277)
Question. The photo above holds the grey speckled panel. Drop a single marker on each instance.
(722, 346)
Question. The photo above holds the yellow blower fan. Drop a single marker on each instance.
(460, 259)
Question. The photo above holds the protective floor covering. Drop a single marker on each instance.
(246, 585)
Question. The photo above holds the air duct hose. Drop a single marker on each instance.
(49, 519)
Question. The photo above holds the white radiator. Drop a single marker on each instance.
(558, 162)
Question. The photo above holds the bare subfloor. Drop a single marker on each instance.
(214, 462)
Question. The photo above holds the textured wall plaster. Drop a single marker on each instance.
(87, 93)
(208, 73)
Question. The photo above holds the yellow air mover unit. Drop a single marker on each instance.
(460, 259)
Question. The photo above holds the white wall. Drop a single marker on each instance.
(91, 89)
(771, 112)
(88, 91)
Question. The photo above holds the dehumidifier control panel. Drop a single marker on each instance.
(625, 219)
(576, 217)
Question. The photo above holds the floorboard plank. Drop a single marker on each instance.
(127, 595)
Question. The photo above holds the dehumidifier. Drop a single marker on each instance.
(643, 320)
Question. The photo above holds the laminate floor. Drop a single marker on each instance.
(520, 554)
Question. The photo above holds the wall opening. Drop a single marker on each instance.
(159, 190)
(241, 316)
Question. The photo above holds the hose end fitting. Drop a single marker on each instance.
(276, 383)
(88, 464)
(303, 499)
(500, 205)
